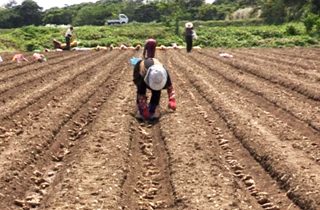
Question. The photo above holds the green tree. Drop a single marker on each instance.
(172, 13)
(310, 21)
(30, 12)
(193, 3)
(315, 6)
(207, 12)
(131, 8)
(274, 11)
(5, 17)
(57, 16)
(10, 18)
(219, 2)
(92, 15)
(147, 13)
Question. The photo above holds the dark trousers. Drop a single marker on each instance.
(154, 101)
(68, 42)
(189, 43)
(155, 97)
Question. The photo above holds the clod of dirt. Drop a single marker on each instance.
(249, 182)
(263, 200)
(273, 208)
(34, 200)
(37, 173)
(223, 141)
(19, 202)
(57, 166)
(247, 177)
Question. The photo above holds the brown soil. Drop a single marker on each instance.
(245, 134)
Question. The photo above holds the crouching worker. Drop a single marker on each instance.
(39, 57)
(151, 74)
(19, 58)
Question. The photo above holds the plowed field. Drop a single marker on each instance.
(245, 135)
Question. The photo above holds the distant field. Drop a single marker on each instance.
(223, 34)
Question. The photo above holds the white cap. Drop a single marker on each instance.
(156, 77)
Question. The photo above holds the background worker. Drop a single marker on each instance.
(19, 58)
(39, 57)
(151, 74)
(68, 37)
(189, 35)
(150, 48)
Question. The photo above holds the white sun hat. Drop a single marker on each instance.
(189, 25)
(156, 77)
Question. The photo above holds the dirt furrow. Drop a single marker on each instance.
(294, 72)
(294, 53)
(246, 120)
(257, 182)
(37, 91)
(310, 66)
(32, 74)
(30, 112)
(36, 67)
(200, 176)
(307, 88)
(245, 135)
(99, 175)
(20, 68)
(303, 70)
(147, 185)
(8, 64)
(297, 105)
(50, 120)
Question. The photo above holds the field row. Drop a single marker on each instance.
(244, 136)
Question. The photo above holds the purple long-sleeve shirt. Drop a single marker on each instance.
(150, 48)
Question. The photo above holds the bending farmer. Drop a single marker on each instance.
(151, 74)
(19, 58)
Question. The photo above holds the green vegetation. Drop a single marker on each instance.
(210, 34)
(225, 23)
(28, 13)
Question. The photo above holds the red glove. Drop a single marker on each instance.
(146, 113)
(172, 104)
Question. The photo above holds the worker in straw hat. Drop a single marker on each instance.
(190, 34)
(151, 74)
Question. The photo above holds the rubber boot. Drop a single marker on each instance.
(140, 111)
(152, 110)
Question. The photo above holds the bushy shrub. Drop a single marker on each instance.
(310, 21)
(291, 30)
(317, 26)
(267, 33)
(32, 45)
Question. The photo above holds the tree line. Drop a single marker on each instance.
(29, 12)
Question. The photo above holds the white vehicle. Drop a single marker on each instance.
(123, 19)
